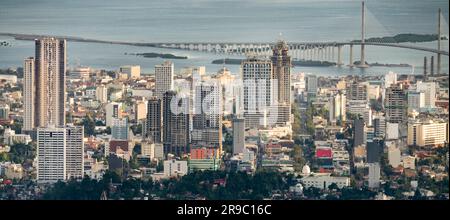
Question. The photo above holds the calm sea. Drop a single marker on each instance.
(214, 20)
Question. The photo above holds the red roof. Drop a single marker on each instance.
(116, 144)
(324, 153)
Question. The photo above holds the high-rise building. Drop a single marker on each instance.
(133, 72)
(113, 110)
(361, 108)
(337, 108)
(258, 95)
(153, 122)
(281, 67)
(140, 110)
(311, 84)
(374, 175)
(358, 132)
(374, 149)
(427, 133)
(390, 79)
(429, 90)
(50, 78)
(207, 118)
(4, 111)
(416, 101)
(238, 135)
(60, 153)
(44, 84)
(163, 78)
(29, 94)
(379, 126)
(358, 91)
(119, 129)
(101, 94)
(394, 155)
(395, 104)
(176, 115)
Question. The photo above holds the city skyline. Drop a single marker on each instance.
(250, 122)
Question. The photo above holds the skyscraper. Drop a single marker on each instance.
(238, 135)
(113, 110)
(50, 69)
(337, 108)
(60, 153)
(374, 175)
(311, 84)
(429, 90)
(395, 104)
(175, 123)
(163, 78)
(258, 90)
(29, 94)
(101, 94)
(358, 132)
(357, 91)
(281, 65)
(153, 122)
(119, 129)
(207, 118)
(44, 84)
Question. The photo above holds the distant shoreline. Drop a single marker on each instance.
(308, 63)
(158, 55)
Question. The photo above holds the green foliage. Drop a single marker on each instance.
(238, 186)
(89, 125)
(136, 129)
(20, 153)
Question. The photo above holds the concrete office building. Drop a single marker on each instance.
(176, 127)
(427, 133)
(374, 175)
(429, 90)
(119, 129)
(358, 132)
(153, 122)
(238, 135)
(164, 74)
(140, 110)
(132, 71)
(113, 110)
(4, 111)
(101, 94)
(207, 118)
(357, 91)
(395, 104)
(416, 101)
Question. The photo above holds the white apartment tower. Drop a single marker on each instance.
(258, 90)
(101, 94)
(28, 94)
(337, 108)
(59, 153)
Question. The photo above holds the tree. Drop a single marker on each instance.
(333, 186)
(89, 125)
